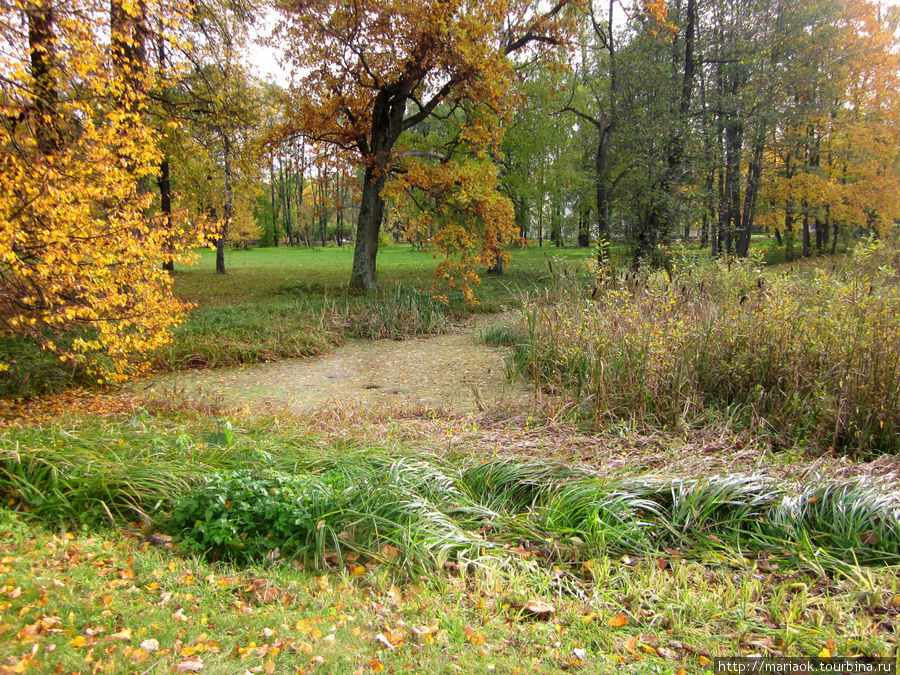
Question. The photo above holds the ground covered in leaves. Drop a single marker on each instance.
(112, 602)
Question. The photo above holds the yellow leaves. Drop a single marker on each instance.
(618, 621)
(78, 251)
(124, 635)
(474, 637)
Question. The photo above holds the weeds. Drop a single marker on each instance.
(397, 314)
(811, 358)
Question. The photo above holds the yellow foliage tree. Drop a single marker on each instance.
(836, 161)
(80, 263)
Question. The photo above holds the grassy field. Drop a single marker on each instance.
(556, 536)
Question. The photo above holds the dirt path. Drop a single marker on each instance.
(453, 371)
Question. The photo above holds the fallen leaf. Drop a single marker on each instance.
(194, 666)
(390, 552)
(618, 620)
(124, 634)
(383, 640)
(150, 645)
(473, 637)
(664, 653)
(539, 609)
(703, 661)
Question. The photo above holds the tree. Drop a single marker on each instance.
(77, 252)
(376, 69)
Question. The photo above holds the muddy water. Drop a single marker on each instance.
(452, 371)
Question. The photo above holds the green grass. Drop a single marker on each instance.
(88, 601)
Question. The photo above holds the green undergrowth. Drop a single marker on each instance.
(249, 494)
(810, 358)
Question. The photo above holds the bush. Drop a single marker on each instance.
(243, 515)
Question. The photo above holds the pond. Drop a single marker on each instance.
(452, 371)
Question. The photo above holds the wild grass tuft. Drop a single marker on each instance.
(397, 313)
(502, 334)
(810, 358)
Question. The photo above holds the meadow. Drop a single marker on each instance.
(660, 501)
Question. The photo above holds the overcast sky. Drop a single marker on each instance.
(264, 60)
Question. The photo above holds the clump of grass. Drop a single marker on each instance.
(239, 495)
(502, 334)
(252, 333)
(362, 507)
(398, 313)
(810, 358)
(859, 522)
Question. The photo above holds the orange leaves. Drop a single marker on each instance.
(618, 621)
(474, 637)
(470, 219)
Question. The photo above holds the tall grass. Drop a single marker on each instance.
(811, 357)
(278, 328)
(397, 313)
(244, 496)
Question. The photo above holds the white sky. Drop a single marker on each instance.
(264, 60)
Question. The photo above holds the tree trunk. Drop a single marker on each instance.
(387, 124)
(43, 56)
(789, 235)
(805, 250)
(220, 243)
(751, 193)
(165, 203)
(584, 230)
(272, 196)
(601, 165)
(128, 34)
(734, 134)
(371, 212)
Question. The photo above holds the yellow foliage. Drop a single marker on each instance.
(77, 252)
